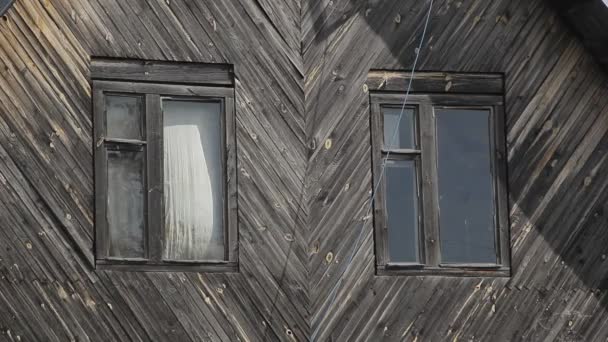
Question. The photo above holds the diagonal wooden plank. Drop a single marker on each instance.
(303, 132)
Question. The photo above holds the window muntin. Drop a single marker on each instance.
(164, 126)
(433, 242)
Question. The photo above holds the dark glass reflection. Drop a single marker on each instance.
(125, 206)
(402, 210)
(124, 118)
(404, 138)
(466, 195)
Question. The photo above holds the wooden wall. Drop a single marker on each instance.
(304, 173)
(588, 20)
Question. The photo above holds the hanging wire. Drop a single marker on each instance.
(333, 294)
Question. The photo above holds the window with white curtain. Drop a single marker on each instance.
(165, 169)
(193, 191)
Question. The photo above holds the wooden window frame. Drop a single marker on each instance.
(430, 91)
(108, 78)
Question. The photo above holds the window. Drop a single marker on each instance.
(441, 206)
(165, 166)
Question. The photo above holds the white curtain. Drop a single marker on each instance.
(193, 196)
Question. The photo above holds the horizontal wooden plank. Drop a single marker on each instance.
(226, 267)
(162, 72)
(444, 271)
(163, 89)
(435, 82)
(438, 100)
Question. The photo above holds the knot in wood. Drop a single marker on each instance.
(329, 257)
(587, 181)
(553, 163)
(315, 248)
(448, 86)
(312, 144)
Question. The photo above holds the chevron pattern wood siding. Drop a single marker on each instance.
(304, 173)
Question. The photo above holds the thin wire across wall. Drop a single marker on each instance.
(333, 294)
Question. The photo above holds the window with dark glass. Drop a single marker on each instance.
(165, 166)
(439, 160)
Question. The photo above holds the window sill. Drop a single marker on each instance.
(444, 271)
(137, 266)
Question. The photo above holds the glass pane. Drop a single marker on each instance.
(404, 136)
(466, 192)
(125, 207)
(402, 210)
(123, 118)
(193, 181)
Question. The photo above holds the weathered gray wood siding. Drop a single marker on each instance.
(304, 173)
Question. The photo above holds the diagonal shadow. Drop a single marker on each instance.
(566, 203)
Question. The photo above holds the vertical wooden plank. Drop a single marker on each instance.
(422, 248)
(154, 161)
(230, 195)
(501, 184)
(100, 169)
(430, 199)
(378, 205)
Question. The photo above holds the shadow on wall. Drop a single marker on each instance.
(557, 164)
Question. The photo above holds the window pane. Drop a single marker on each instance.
(125, 207)
(404, 137)
(466, 195)
(402, 210)
(123, 118)
(193, 192)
